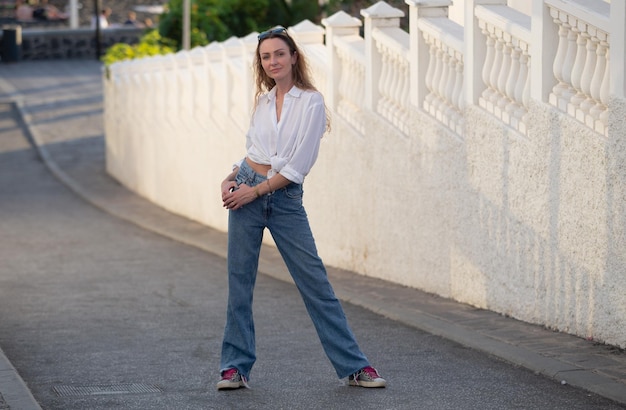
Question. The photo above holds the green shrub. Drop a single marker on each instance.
(150, 44)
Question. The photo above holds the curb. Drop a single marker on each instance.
(14, 391)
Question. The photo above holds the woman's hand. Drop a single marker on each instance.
(240, 196)
(227, 187)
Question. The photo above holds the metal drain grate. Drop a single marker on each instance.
(106, 389)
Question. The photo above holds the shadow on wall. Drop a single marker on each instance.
(521, 270)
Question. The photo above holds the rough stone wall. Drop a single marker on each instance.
(40, 44)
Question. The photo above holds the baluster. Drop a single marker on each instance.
(382, 90)
(587, 77)
(559, 60)
(526, 92)
(346, 102)
(451, 78)
(568, 63)
(457, 96)
(577, 72)
(443, 79)
(513, 79)
(384, 84)
(504, 72)
(452, 91)
(435, 83)
(605, 92)
(357, 83)
(390, 85)
(405, 96)
(495, 72)
(362, 95)
(345, 85)
(488, 65)
(395, 89)
(353, 85)
(596, 82)
(350, 90)
(459, 99)
(432, 62)
(360, 80)
(342, 79)
(514, 72)
(522, 91)
(504, 75)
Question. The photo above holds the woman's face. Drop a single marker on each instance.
(276, 59)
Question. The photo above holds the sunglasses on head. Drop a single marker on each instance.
(272, 32)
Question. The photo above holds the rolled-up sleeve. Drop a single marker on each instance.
(307, 144)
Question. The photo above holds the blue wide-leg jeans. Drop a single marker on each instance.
(283, 214)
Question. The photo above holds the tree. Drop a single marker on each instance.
(212, 20)
(218, 20)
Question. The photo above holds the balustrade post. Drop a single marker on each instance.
(307, 33)
(420, 51)
(339, 24)
(475, 51)
(618, 53)
(310, 38)
(380, 14)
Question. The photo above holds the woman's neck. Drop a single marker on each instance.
(283, 87)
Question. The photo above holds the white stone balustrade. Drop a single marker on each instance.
(506, 69)
(581, 65)
(424, 179)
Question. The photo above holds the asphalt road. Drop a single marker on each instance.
(97, 313)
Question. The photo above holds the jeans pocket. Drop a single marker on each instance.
(293, 191)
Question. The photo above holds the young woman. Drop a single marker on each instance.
(265, 191)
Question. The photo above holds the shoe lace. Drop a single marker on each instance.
(229, 374)
(370, 371)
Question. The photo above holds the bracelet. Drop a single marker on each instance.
(256, 191)
(268, 185)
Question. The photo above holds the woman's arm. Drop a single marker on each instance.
(272, 184)
(245, 194)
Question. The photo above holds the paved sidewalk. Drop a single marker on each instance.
(77, 158)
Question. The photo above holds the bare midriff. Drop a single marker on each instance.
(258, 168)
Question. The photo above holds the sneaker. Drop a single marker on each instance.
(366, 377)
(231, 379)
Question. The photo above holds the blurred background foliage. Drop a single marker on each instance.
(218, 20)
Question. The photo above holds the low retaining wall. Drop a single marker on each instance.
(44, 44)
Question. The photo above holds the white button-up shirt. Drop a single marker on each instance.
(290, 145)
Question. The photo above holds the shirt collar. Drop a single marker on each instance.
(294, 92)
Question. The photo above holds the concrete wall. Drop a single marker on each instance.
(528, 227)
